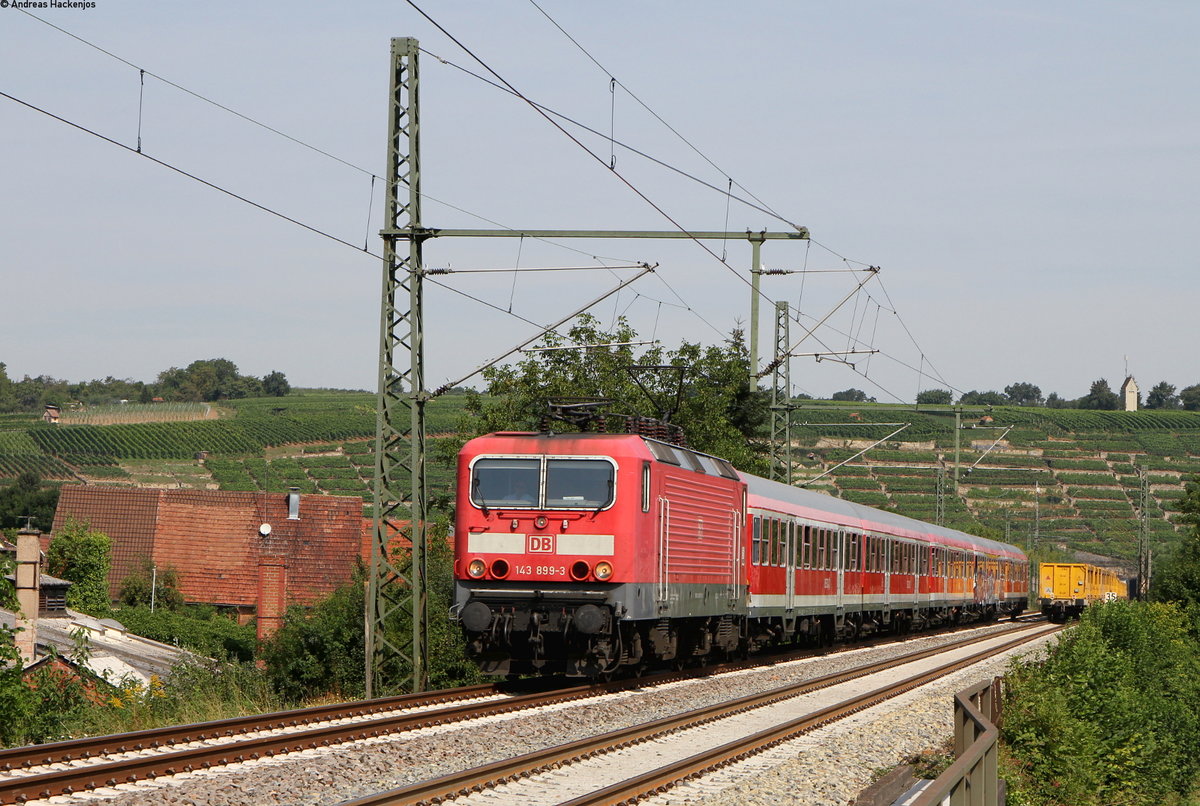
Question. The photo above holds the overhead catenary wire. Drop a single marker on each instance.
(616, 82)
(372, 176)
(267, 127)
(544, 329)
(644, 155)
(629, 184)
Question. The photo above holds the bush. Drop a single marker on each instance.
(1100, 721)
(200, 628)
(82, 555)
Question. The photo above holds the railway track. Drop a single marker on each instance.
(79, 765)
(577, 774)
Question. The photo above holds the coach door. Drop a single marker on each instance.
(735, 576)
(789, 562)
(839, 548)
(663, 589)
(885, 566)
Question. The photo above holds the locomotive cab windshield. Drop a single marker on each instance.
(543, 482)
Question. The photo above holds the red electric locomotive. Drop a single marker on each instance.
(582, 554)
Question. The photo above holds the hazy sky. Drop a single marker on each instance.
(1026, 175)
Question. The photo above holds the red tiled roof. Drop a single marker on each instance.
(128, 512)
(398, 543)
(212, 538)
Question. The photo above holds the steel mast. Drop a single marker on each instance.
(394, 590)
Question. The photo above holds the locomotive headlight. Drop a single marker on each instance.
(540, 521)
(475, 568)
(604, 570)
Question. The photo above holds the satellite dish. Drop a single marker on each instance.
(264, 529)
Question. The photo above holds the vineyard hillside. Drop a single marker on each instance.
(319, 442)
(1077, 479)
(1069, 477)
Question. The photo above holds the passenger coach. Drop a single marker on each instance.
(585, 553)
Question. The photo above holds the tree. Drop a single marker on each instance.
(1189, 396)
(1023, 394)
(1178, 578)
(974, 398)
(149, 584)
(1101, 397)
(26, 496)
(82, 555)
(320, 650)
(207, 380)
(935, 397)
(275, 384)
(15, 698)
(1097, 720)
(716, 408)
(852, 396)
(1053, 401)
(1162, 396)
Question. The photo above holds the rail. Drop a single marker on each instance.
(973, 779)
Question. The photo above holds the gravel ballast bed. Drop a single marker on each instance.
(825, 771)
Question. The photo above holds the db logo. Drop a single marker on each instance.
(541, 544)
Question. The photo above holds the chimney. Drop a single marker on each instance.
(294, 504)
(272, 593)
(29, 556)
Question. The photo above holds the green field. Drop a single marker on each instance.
(1063, 476)
(319, 442)
(1060, 475)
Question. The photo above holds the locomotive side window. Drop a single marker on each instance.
(579, 483)
(507, 482)
(645, 486)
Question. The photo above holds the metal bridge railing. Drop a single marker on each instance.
(973, 778)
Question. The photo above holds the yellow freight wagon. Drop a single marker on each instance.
(1066, 588)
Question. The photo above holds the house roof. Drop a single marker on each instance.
(213, 539)
(112, 653)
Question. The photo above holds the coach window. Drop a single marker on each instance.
(780, 542)
(854, 552)
(579, 483)
(507, 482)
(835, 550)
(756, 556)
(805, 547)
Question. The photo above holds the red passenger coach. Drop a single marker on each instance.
(585, 553)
